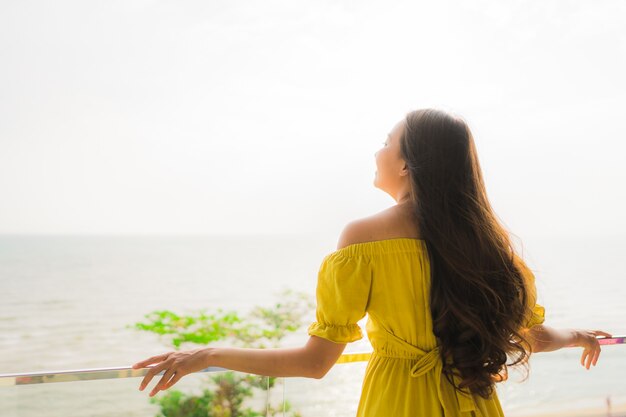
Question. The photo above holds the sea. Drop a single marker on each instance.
(70, 302)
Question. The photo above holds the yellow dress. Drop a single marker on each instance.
(390, 281)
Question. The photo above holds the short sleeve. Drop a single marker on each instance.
(536, 312)
(342, 294)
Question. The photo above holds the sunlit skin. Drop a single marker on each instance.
(313, 360)
(318, 355)
(392, 174)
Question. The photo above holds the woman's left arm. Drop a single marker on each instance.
(313, 360)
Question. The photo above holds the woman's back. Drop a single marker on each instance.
(389, 242)
(388, 280)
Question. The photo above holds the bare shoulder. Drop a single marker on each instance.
(387, 224)
(359, 231)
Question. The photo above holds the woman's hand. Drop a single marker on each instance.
(591, 347)
(175, 364)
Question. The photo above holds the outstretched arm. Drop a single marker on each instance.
(313, 360)
(546, 339)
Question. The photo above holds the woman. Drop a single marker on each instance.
(447, 298)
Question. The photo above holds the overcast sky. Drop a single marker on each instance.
(263, 117)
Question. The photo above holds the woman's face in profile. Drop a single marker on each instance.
(389, 163)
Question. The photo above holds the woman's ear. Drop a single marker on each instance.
(404, 171)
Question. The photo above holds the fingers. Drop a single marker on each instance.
(590, 357)
(151, 360)
(162, 384)
(177, 377)
(174, 364)
(592, 349)
(151, 373)
(583, 357)
(596, 356)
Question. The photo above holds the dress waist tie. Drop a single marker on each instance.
(428, 360)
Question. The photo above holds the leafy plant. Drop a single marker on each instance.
(226, 393)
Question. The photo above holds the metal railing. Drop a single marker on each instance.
(27, 378)
(8, 380)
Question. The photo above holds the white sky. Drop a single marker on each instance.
(263, 117)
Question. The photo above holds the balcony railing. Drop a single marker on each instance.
(28, 378)
(18, 400)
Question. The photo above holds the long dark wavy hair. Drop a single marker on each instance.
(479, 300)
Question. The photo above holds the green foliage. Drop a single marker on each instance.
(227, 392)
(231, 391)
(200, 329)
(177, 404)
(262, 327)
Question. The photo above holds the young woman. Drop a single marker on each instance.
(448, 299)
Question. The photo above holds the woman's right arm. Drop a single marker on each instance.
(547, 339)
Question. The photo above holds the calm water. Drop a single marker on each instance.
(67, 301)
